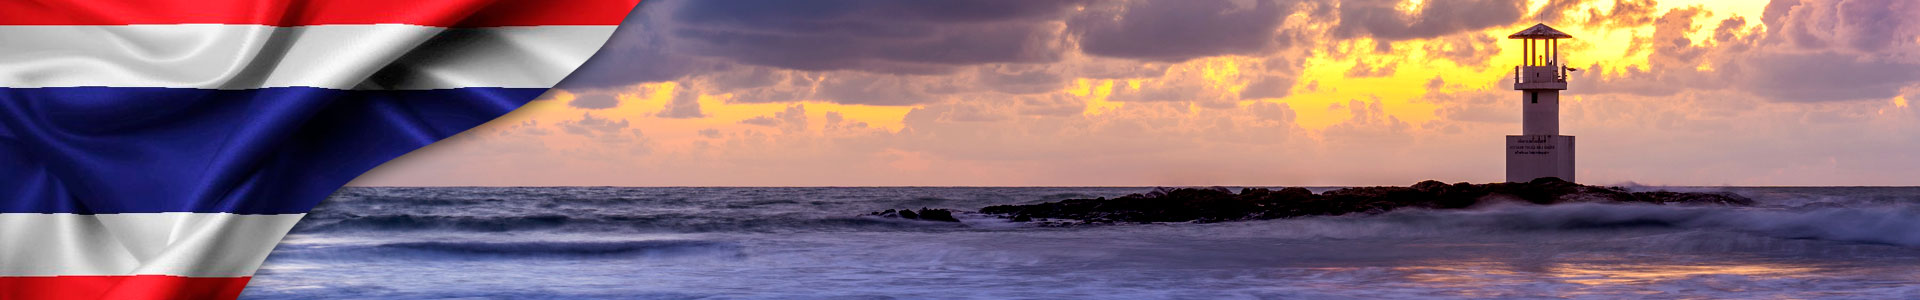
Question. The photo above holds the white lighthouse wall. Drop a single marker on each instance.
(1541, 117)
(1535, 156)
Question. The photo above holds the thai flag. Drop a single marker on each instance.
(161, 148)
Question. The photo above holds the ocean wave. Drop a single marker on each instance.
(578, 248)
(432, 222)
(592, 223)
(1891, 225)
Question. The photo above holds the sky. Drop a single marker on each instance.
(1206, 92)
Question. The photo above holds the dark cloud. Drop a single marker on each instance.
(1275, 112)
(1556, 10)
(529, 127)
(1057, 104)
(901, 37)
(793, 119)
(873, 89)
(762, 121)
(1465, 50)
(1177, 30)
(1364, 69)
(1021, 79)
(589, 125)
(635, 53)
(1831, 50)
(1824, 77)
(1160, 91)
(1275, 79)
(1114, 68)
(1673, 61)
(685, 104)
(1269, 87)
(1861, 26)
(837, 122)
(1809, 51)
(1625, 13)
(751, 84)
(1383, 20)
(606, 131)
(595, 101)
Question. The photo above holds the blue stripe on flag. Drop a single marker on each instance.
(103, 150)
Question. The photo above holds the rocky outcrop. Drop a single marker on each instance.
(1220, 204)
(925, 214)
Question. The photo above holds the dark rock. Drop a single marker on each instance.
(1219, 204)
(941, 215)
(925, 214)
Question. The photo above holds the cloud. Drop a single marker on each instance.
(594, 101)
(762, 121)
(528, 128)
(1809, 51)
(1465, 49)
(898, 37)
(1178, 30)
(1872, 27)
(1369, 127)
(1824, 77)
(1021, 79)
(684, 105)
(876, 89)
(1364, 69)
(588, 125)
(1052, 105)
(1384, 20)
(1625, 13)
(1269, 87)
(1831, 50)
(637, 52)
(793, 119)
(1483, 106)
(835, 122)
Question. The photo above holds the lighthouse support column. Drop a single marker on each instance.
(1539, 151)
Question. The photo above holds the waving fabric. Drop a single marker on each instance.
(161, 148)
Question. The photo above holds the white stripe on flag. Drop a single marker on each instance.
(178, 244)
(238, 57)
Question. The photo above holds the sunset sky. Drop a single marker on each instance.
(1202, 92)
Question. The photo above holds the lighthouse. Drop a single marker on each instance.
(1540, 151)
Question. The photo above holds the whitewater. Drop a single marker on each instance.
(814, 243)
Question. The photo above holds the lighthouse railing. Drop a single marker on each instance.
(1540, 77)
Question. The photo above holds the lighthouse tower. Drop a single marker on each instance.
(1540, 151)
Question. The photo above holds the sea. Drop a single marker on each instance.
(816, 243)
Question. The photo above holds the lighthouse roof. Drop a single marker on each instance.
(1540, 31)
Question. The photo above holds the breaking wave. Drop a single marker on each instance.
(552, 248)
(1891, 225)
(649, 223)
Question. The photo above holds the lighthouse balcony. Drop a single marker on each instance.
(1549, 77)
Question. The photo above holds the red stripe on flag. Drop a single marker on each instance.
(121, 287)
(438, 13)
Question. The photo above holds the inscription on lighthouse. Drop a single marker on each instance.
(1532, 145)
